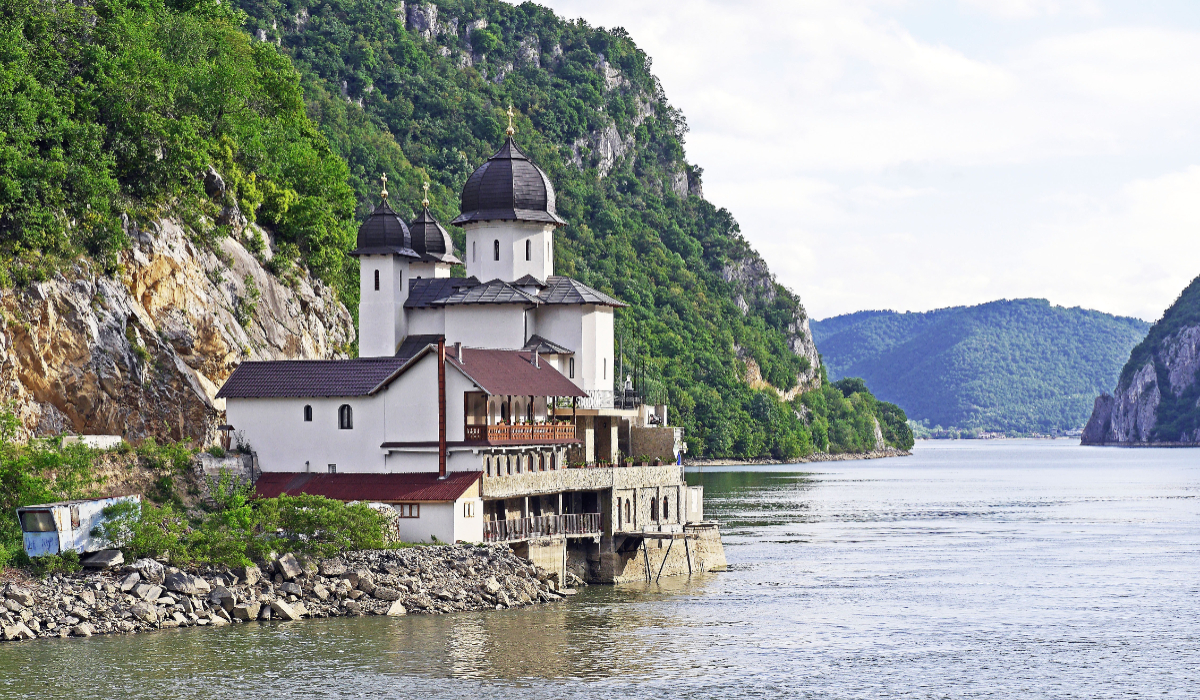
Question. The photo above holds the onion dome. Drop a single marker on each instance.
(508, 187)
(383, 233)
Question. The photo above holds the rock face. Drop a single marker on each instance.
(421, 580)
(142, 353)
(755, 287)
(1158, 398)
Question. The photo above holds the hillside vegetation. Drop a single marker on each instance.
(1020, 366)
(112, 111)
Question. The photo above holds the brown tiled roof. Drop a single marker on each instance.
(420, 486)
(316, 378)
(503, 372)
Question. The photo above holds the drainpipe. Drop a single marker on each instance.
(442, 408)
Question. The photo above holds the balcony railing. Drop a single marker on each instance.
(521, 434)
(571, 525)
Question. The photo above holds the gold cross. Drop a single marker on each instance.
(425, 201)
(384, 192)
(511, 130)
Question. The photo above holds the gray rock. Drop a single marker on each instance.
(150, 570)
(321, 592)
(21, 595)
(80, 613)
(492, 586)
(332, 568)
(214, 184)
(147, 591)
(385, 593)
(219, 596)
(13, 605)
(283, 610)
(289, 567)
(396, 609)
(250, 575)
(104, 559)
(291, 589)
(352, 606)
(246, 611)
(145, 612)
(83, 629)
(186, 584)
(88, 597)
(130, 581)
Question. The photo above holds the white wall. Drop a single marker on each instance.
(564, 325)
(512, 236)
(468, 529)
(412, 404)
(437, 519)
(497, 326)
(430, 321)
(277, 432)
(381, 321)
(428, 270)
(588, 330)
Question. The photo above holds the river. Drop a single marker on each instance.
(999, 569)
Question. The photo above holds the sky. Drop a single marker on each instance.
(907, 155)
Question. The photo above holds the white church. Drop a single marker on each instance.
(478, 404)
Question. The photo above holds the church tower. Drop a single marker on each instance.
(509, 218)
(385, 254)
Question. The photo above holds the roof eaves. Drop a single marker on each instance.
(401, 369)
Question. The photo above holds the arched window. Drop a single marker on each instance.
(528, 249)
(308, 414)
(654, 509)
(508, 465)
(473, 256)
(503, 410)
(619, 514)
(377, 280)
(571, 367)
(345, 417)
(665, 511)
(496, 249)
(628, 519)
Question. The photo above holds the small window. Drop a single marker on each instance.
(474, 257)
(654, 509)
(469, 509)
(37, 521)
(628, 520)
(666, 510)
(377, 280)
(496, 250)
(346, 417)
(571, 367)
(487, 463)
(529, 250)
(605, 375)
(333, 469)
(409, 510)
(508, 465)
(308, 414)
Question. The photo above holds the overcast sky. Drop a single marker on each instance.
(914, 155)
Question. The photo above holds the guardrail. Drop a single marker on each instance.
(521, 434)
(571, 525)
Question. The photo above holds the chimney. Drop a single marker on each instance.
(458, 353)
(536, 359)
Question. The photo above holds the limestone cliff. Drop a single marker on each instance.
(754, 287)
(1157, 400)
(142, 353)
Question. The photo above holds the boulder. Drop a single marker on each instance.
(18, 631)
(80, 613)
(222, 596)
(186, 584)
(147, 591)
(385, 593)
(150, 570)
(250, 575)
(246, 611)
(283, 610)
(491, 586)
(396, 609)
(104, 559)
(289, 567)
(300, 609)
(83, 629)
(130, 581)
(332, 568)
(218, 621)
(88, 597)
(352, 606)
(21, 595)
(321, 592)
(145, 612)
(291, 589)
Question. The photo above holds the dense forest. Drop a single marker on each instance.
(1019, 367)
(111, 111)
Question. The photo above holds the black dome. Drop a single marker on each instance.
(430, 240)
(508, 187)
(383, 233)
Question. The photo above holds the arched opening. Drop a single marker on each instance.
(654, 509)
(665, 510)
(496, 249)
(628, 518)
(503, 411)
(487, 464)
(528, 250)
(508, 465)
(308, 414)
(377, 280)
(345, 417)
(619, 518)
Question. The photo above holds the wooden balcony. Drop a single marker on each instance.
(536, 434)
(517, 529)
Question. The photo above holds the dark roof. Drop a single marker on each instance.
(545, 347)
(420, 486)
(503, 372)
(414, 344)
(423, 292)
(508, 187)
(430, 240)
(529, 281)
(564, 290)
(318, 378)
(383, 233)
(494, 292)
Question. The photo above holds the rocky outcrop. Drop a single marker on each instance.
(754, 287)
(1168, 378)
(147, 595)
(142, 353)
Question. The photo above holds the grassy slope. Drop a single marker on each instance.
(1018, 366)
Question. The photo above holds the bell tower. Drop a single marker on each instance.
(385, 254)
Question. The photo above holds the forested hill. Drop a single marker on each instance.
(1019, 366)
(117, 115)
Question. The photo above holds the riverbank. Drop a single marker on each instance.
(819, 457)
(148, 595)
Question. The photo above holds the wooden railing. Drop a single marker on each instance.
(571, 525)
(521, 434)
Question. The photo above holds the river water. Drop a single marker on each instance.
(1006, 569)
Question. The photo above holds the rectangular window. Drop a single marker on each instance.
(528, 250)
(37, 521)
(377, 280)
(469, 509)
(408, 510)
(474, 258)
(333, 469)
(571, 368)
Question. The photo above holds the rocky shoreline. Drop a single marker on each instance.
(819, 457)
(148, 595)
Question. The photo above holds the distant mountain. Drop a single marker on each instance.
(1157, 399)
(1015, 366)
